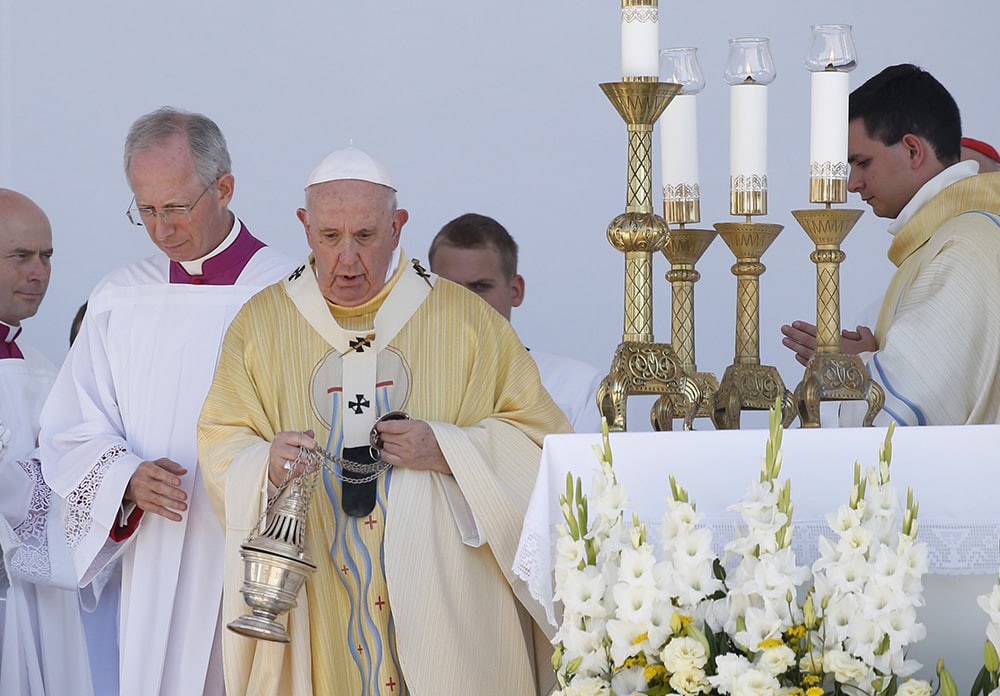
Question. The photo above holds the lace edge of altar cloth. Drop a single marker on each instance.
(953, 548)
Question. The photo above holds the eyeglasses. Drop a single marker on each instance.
(141, 215)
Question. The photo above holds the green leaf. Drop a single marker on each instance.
(982, 683)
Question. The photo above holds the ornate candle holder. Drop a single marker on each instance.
(639, 365)
(831, 375)
(683, 249)
(746, 384)
(681, 207)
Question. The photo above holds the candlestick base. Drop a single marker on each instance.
(668, 407)
(750, 388)
(836, 377)
(647, 368)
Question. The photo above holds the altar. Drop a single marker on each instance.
(953, 472)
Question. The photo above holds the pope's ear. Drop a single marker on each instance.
(301, 215)
(399, 219)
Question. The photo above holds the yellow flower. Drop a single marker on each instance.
(769, 643)
(634, 661)
(811, 680)
(814, 691)
(654, 673)
(797, 631)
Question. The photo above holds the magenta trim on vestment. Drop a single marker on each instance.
(9, 349)
(224, 268)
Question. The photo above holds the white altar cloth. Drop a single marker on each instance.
(954, 472)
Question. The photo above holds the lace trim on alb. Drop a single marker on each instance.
(31, 560)
(79, 519)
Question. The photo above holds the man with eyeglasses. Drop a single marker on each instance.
(118, 438)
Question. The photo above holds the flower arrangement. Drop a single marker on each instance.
(674, 618)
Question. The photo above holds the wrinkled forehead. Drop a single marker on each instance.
(352, 194)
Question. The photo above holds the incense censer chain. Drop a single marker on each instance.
(275, 561)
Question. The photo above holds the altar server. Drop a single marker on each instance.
(414, 591)
(42, 643)
(936, 346)
(118, 432)
(477, 252)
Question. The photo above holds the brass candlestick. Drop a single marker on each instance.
(831, 375)
(639, 365)
(746, 384)
(683, 249)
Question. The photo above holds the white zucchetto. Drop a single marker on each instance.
(350, 163)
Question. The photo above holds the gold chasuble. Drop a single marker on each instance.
(418, 597)
(933, 227)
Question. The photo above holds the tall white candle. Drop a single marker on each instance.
(828, 122)
(679, 142)
(640, 38)
(748, 130)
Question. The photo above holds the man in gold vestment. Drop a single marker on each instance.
(414, 592)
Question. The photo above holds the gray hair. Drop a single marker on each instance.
(208, 146)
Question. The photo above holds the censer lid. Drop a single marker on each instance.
(274, 547)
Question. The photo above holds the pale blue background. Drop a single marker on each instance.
(487, 107)
(491, 107)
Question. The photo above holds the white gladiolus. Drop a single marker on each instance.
(629, 682)
(991, 605)
(849, 575)
(761, 625)
(635, 566)
(582, 593)
(637, 615)
(625, 639)
(634, 603)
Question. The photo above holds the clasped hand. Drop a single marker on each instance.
(405, 443)
(800, 338)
